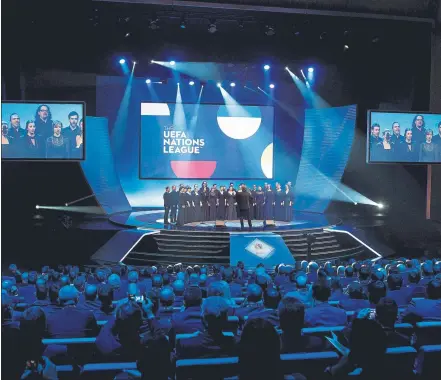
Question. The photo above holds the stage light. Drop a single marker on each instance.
(270, 30)
(266, 67)
(127, 35)
(232, 84)
(37, 207)
(152, 61)
(219, 84)
(66, 204)
(122, 61)
(183, 24)
(355, 203)
(148, 81)
(191, 83)
(272, 85)
(212, 28)
(346, 47)
(172, 63)
(134, 63)
(310, 70)
(380, 205)
(286, 68)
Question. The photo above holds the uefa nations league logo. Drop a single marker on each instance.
(260, 249)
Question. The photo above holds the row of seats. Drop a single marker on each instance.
(399, 361)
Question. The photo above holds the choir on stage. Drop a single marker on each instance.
(185, 204)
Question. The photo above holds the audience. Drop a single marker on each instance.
(323, 314)
(155, 304)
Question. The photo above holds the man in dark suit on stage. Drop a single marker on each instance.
(244, 199)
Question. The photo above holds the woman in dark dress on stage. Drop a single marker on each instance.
(204, 192)
(279, 197)
(32, 145)
(231, 206)
(269, 203)
(213, 201)
(57, 146)
(182, 207)
(222, 203)
(191, 212)
(288, 202)
(259, 200)
(197, 203)
(429, 152)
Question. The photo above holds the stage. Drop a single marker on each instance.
(143, 239)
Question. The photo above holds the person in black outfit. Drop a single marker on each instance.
(253, 206)
(288, 203)
(437, 138)
(167, 204)
(259, 200)
(408, 151)
(15, 132)
(204, 193)
(231, 212)
(221, 209)
(418, 130)
(384, 150)
(279, 196)
(375, 135)
(182, 213)
(429, 152)
(72, 130)
(43, 121)
(244, 200)
(191, 211)
(396, 137)
(174, 200)
(269, 203)
(32, 145)
(213, 201)
(57, 146)
(196, 199)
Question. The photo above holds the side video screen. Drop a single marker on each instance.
(43, 131)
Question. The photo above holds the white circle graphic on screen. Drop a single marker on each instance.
(266, 161)
(155, 109)
(239, 122)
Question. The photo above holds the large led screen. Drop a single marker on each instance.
(206, 141)
(43, 131)
(399, 137)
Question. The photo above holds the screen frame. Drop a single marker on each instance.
(368, 134)
(211, 178)
(49, 102)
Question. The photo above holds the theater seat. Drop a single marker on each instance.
(106, 370)
(429, 362)
(233, 324)
(69, 341)
(400, 362)
(428, 333)
(404, 328)
(310, 364)
(216, 368)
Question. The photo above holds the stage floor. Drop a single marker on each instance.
(153, 219)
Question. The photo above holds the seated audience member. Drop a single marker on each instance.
(289, 286)
(427, 274)
(54, 290)
(313, 267)
(27, 288)
(416, 290)
(80, 283)
(203, 284)
(211, 342)
(193, 279)
(368, 351)
(106, 310)
(253, 302)
(259, 352)
(41, 294)
(425, 309)
(221, 289)
(32, 330)
(178, 287)
(271, 299)
(235, 288)
(154, 362)
(337, 293)
(395, 290)
(303, 291)
(165, 310)
(90, 298)
(349, 276)
(357, 299)
(292, 316)
(377, 290)
(386, 314)
(70, 321)
(119, 287)
(282, 275)
(189, 320)
(364, 275)
(341, 271)
(323, 314)
(120, 337)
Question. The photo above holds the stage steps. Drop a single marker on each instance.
(327, 245)
(186, 247)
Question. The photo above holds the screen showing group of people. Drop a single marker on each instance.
(405, 137)
(52, 131)
(194, 203)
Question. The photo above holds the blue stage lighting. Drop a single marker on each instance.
(172, 63)
(272, 85)
(191, 83)
(286, 68)
(148, 81)
(266, 67)
(310, 70)
(219, 84)
(232, 84)
(122, 61)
